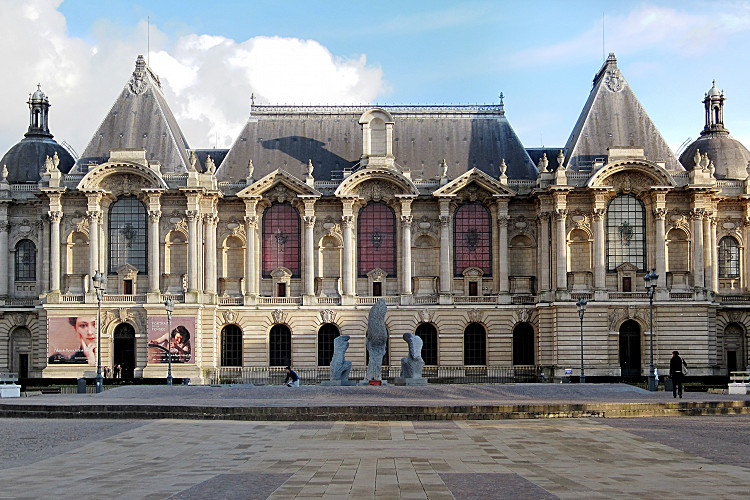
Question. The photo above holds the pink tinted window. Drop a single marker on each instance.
(472, 237)
(377, 239)
(281, 241)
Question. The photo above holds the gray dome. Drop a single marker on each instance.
(730, 157)
(26, 159)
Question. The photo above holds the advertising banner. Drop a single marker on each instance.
(72, 340)
(179, 342)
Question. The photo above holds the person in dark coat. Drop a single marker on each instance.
(292, 379)
(676, 373)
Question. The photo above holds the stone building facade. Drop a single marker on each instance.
(272, 248)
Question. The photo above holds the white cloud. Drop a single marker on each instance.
(645, 27)
(208, 80)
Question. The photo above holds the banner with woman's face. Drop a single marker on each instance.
(179, 342)
(72, 340)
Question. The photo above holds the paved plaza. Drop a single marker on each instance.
(670, 457)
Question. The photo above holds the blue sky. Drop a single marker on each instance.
(211, 55)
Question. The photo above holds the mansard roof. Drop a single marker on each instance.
(140, 118)
(613, 116)
(287, 137)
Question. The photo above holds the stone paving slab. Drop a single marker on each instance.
(566, 459)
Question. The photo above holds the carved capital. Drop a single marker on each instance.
(599, 214)
(251, 221)
(445, 220)
(660, 213)
(347, 220)
(55, 216)
(192, 215)
(4, 227)
(154, 215)
(407, 220)
(210, 219)
(503, 220)
(561, 214)
(94, 217)
(309, 220)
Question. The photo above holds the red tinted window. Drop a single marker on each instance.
(377, 239)
(281, 241)
(472, 237)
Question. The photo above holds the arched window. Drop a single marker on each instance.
(127, 235)
(472, 238)
(281, 239)
(280, 346)
(231, 346)
(475, 345)
(326, 334)
(626, 235)
(25, 261)
(729, 258)
(377, 239)
(523, 344)
(429, 336)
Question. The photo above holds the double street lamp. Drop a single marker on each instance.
(100, 285)
(650, 280)
(169, 306)
(581, 306)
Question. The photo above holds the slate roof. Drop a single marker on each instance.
(613, 116)
(286, 137)
(140, 118)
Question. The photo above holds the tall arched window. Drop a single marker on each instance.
(472, 238)
(377, 239)
(281, 239)
(729, 258)
(280, 346)
(475, 345)
(326, 334)
(127, 235)
(626, 232)
(25, 261)
(523, 344)
(231, 346)
(429, 336)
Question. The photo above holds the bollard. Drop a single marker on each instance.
(81, 386)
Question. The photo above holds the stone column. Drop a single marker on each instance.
(45, 254)
(94, 218)
(562, 249)
(251, 227)
(446, 274)
(698, 251)
(746, 253)
(707, 253)
(406, 221)
(660, 215)
(4, 258)
(347, 221)
(600, 268)
(503, 285)
(55, 218)
(192, 217)
(309, 255)
(153, 250)
(714, 256)
(211, 221)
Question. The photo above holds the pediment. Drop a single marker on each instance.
(631, 175)
(122, 178)
(478, 178)
(626, 267)
(278, 179)
(380, 175)
(127, 270)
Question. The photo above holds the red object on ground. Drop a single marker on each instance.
(375, 382)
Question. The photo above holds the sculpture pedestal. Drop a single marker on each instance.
(410, 381)
(367, 382)
(338, 382)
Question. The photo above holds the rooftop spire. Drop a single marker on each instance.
(38, 113)
(714, 104)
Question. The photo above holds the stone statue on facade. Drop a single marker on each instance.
(377, 340)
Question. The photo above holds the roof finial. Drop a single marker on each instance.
(502, 106)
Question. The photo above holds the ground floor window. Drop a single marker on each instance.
(475, 345)
(280, 346)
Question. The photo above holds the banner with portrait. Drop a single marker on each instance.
(179, 342)
(72, 340)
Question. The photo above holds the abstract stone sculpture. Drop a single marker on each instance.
(377, 340)
(411, 365)
(339, 365)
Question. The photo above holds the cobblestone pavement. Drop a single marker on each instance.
(693, 457)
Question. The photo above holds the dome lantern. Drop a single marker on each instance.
(714, 103)
(38, 113)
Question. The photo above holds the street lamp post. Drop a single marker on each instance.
(581, 306)
(169, 306)
(100, 284)
(650, 280)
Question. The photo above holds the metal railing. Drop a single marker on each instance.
(314, 375)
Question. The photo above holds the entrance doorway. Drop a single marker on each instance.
(630, 349)
(124, 350)
(734, 352)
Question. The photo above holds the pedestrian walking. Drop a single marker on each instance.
(677, 371)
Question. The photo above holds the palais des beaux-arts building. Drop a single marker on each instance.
(477, 244)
